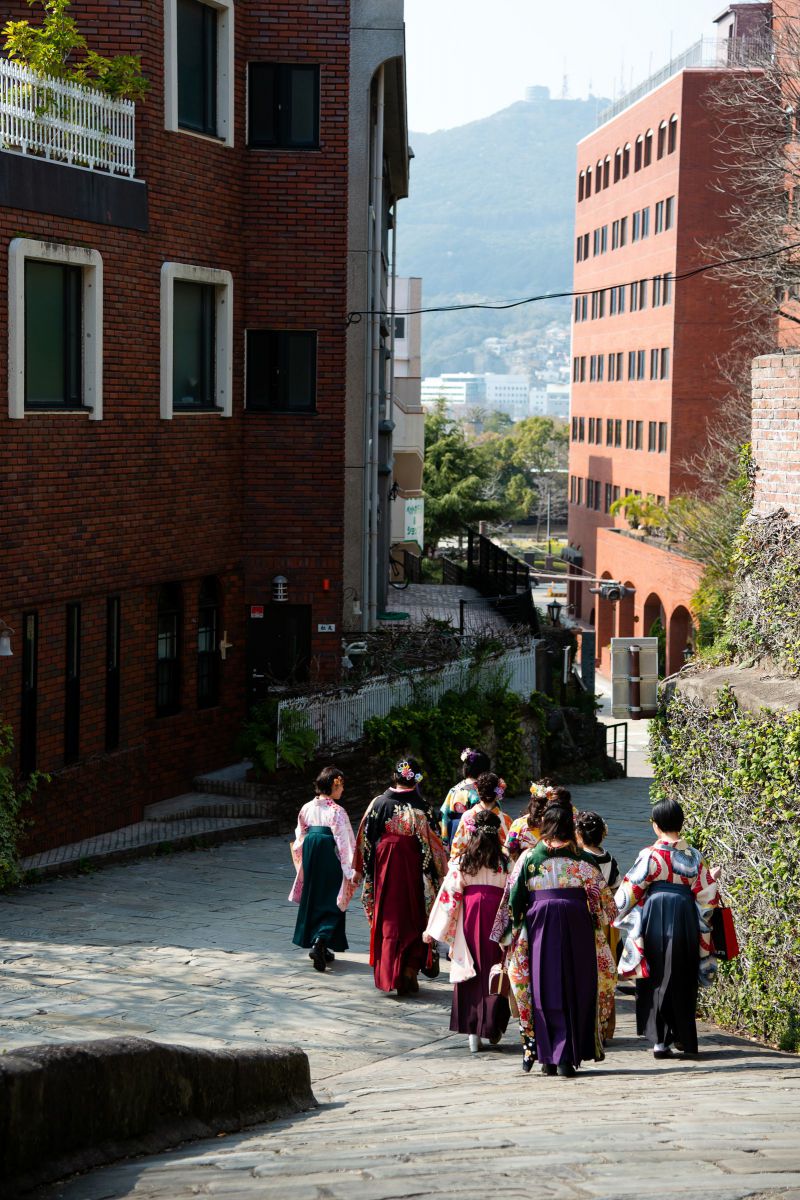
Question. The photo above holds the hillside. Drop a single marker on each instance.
(491, 215)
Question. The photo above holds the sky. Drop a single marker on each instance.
(467, 59)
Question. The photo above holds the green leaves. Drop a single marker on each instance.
(13, 798)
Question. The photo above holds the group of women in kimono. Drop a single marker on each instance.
(532, 911)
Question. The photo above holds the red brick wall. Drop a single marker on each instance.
(122, 505)
(776, 433)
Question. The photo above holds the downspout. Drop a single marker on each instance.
(375, 327)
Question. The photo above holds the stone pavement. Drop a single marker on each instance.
(196, 948)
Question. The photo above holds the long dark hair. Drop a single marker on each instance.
(559, 823)
(483, 848)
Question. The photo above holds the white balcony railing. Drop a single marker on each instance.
(65, 122)
(718, 53)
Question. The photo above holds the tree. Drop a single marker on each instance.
(458, 484)
(50, 49)
(639, 511)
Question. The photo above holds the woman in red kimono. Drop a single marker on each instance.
(402, 860)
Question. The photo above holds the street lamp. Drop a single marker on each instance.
(554, 611)
(5, 640)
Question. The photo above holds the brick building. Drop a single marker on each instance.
(173, 479)
(647, 339)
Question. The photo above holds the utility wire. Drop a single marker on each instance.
(355, 317)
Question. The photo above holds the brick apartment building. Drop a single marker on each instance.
(173, 474)
(646, 342)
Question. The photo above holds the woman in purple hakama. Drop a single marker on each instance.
(555, 899)
(463, 916)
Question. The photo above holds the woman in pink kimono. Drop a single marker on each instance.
(322, 851)
(462, 916)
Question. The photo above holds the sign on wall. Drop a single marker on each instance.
(414, 521)
(634, 677)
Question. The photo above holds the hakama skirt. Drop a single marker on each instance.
(473, 1009)
(563, 976)
(399, 917)
(666, 1001)
(319, 915)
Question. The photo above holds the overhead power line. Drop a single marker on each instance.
(355, 317)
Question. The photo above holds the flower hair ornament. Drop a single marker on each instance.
(406, 771)
(467, 754)
(500, 790)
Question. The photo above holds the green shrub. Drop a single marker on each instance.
(13, 799)
(258, 740)
(737, 774)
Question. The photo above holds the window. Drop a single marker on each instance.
(618, 431)
(615, 235)
(580, 490)
(623, 231)
(113, 641)
(664, 372)
(588, 182)
(626, 161)
(607, 506)
(629, 435)
(634, 289)
(657, 291)
(640, 364)
(576, 369)
(199, 68)
(673, 135)
(662, 139)
(591, 425)
(636, 226)
(581, 186)
(208, 645)
(168, 650)
(283, 106)
(654, 364)
(659, 219)
(577, 308)
(614, 493)
(598, 179)
(598, 305)
(579, 250)
(652, 436)
(586, 246)
(612, 369)
(281, 370)
(597, 496)
(638, 153)
(631, 364)
(642, 294)
(617, 166)
(648, 147)
(619, 366)
(30, 672)
(667, 293)
(55, 329)
(581, 429)
(574, 429)
(645, 222)
(669, 212)
(196, 340)
(72, 685)
(590, 493)
(399, 329)
(639, 434)
(662, 445)
(596, 242)
(606, 172)
(609, 421)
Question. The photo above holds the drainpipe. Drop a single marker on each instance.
(375, 328)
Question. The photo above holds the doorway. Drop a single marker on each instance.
(278, 648)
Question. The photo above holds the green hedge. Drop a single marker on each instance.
(738, 777)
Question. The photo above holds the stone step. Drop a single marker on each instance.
(210, 804)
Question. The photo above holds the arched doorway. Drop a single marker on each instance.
(655, 625)
(679, 637)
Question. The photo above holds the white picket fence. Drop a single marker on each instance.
(68, 122)
(338, 718)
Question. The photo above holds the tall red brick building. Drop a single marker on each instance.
(173, 476)
(647, 335)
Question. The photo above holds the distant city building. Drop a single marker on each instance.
(460, 389)
(507, 394)
(645, 348)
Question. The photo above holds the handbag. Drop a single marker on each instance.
(430, 968)
(723, 933)
(500, 985)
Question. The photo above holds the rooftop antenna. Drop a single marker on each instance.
(565, 83)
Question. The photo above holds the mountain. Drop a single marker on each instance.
(490, 216)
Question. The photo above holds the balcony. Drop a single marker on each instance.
(712, 53)
(65, 122)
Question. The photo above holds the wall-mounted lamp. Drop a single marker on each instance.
(280, 589)
(5, 640)
(554, 611)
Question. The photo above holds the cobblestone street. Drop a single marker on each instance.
(196, 948)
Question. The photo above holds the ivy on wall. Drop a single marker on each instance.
(764, 615)
(737, 776)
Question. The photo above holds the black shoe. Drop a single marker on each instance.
(665, 1053)
(549, 1069)
(528, 1053)
(329, 955)
(318, 955)
(566, 1071)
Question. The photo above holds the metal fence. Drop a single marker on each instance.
(719, 53)
(68, 122)
(338, 718)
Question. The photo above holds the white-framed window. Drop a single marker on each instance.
(55, 329)
(199, 67)
(196, 340)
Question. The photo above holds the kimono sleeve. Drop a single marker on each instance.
(634, 886)
(345, 841)
(443, 919)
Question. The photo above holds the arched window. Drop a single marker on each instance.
(599, 176)
(662, 139)
(208, 644)
(606, 172)
(581, 186)
(168, 649)
(626, 161)
(617, 166)
(637, 154)
(648, 147)
(588, 182)
(673, 134)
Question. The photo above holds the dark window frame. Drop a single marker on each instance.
(281, 100)
(208, 332)
(72, 683)
(272, 376)
(29, 693)
(208, 121)
(113, 652)
(208, 620)
(73, 334)
(169, 629)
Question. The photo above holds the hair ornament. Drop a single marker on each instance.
(500, 790)
(467, 753)
(406, 771)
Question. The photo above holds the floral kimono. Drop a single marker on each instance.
(456, 802)
(326, 813)
(322, 852)
(520, 837)
(556, 982)
(466, 828)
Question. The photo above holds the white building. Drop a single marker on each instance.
(508, 394)
(408, 436)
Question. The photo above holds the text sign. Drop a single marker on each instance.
(326, 629)
(257, 612)
(414, 520)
